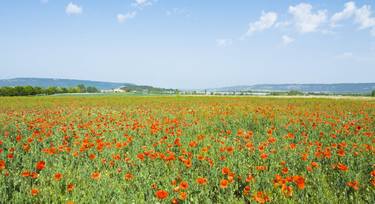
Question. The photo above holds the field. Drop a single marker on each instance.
(134, 149)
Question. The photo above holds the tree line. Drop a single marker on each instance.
(33, 90)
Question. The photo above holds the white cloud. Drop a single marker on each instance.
(287, 40)
(142, 3)
(282, 24)
(362, 16)
(266, 21)
(348, 12)
(306, 21)
(177, 11)
(121, 18)
(73, 9)
(44, 1)
(224, 42)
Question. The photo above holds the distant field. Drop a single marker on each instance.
(148, 149)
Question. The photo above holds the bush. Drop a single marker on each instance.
(294, 93)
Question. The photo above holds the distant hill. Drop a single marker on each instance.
(47, 82)
(312, 88)
(340, 88)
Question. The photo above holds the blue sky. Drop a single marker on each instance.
(189, 43)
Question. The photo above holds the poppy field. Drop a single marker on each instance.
(176, 149)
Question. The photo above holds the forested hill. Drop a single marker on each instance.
(313, 88)
(49, 82)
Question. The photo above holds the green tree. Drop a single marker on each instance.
(82, 88)
(91, 89)
(373, 93)
(38, 90)
(51, 90)
(6, 91)
(294, 93)
(29, 91)
(19, 90)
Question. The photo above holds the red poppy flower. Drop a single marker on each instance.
(353, 184)
(184, 185)
(223, 183)
(261, 197)
(40, 165)
(34, 175)
(300, 181)
(182, 195)
(342, 167)
(225, 170)
(128, 176)
(70, 187)
(58, 176)
(25, 174)
(34, 192)
(161, 194)
(201, 180)
(2, 164)
(95, 175)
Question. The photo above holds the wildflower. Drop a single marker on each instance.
(34, 191)
(231, 177)
(285, 170)
(184, 185)
(249, 178)
(70, 187)
(92, 156)
(353, 184)
(342, 167)
(161, 194)
(128, 176)
(173, 182)
(154, 186)
(261, 168)
(25, 174)
(261, 197)
(34, 175)
(225, 170)
(287, 190)
(246, 190)
(314, 164)
(174, 201)
(182, 195)
(223, 183)
(193, 144)
(2, 164)
(201, 180)
(300, 181)
(40, 165)
(58, 176)
(340, 152)
(141, 156)
(95, 175)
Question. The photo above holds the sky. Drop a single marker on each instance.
(189, 43)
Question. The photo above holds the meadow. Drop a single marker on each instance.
(180, 149)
